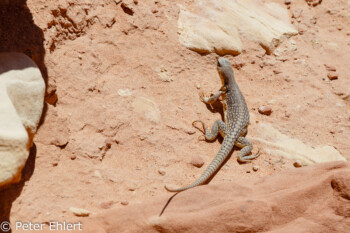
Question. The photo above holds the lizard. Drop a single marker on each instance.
(234, 127)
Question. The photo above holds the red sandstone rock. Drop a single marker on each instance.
(309, 199)
(197, 161)
(265, 110)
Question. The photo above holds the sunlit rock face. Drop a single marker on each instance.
(21, 96)
(222, 26)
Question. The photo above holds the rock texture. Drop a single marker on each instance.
(221, 26)
(315, 199)
(21, 97)
(96, 144)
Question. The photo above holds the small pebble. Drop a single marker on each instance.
(265, 110)
(287, 2)
(124, 92)
(255, 168)
(106, 205)
(190, 131)
(302, 29)
(297, 163)
(161, 172)
(313, 20)
(277, 71)
(248, 171)
(73, 157)
(332, 76)
(97, 174)
(330, 68)
(108, 142)
(238, 63)
(283, 59)
(79, 212)
(197, 161)
(124, 202)
(287, 114)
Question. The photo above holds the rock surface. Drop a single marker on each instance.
(21, 97)
(221, 26)
(278, 144)
(267, 205)
(99, 59)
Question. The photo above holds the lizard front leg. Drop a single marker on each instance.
(218, 127)
(212, 99)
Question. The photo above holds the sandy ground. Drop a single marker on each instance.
(94, 149)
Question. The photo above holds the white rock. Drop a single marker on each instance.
(21, 96)
(97, 174)
(79, 212)
(124, 92)
(277, 144)
(164, 74)
(221, 26)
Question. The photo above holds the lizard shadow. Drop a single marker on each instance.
(214, 108)
(205, 183)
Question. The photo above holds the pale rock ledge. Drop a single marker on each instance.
(222, 26)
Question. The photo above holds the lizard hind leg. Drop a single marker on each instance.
(218, 127)
(247, 147)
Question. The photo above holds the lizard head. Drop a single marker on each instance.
(225, 70)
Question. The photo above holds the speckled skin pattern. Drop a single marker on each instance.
(233, 128)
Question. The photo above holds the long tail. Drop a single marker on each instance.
(224, 151)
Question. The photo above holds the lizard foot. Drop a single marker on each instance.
(202, 97)
(248, 159)
(201, 138)
(194, 125)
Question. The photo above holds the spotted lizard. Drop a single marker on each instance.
(234, 127)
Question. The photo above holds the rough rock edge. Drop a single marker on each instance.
(293, 200)
(226, 38)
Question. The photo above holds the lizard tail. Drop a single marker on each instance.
(224, 151)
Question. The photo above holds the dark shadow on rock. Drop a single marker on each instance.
(214, 108)
(9, 194)
(18, 33)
